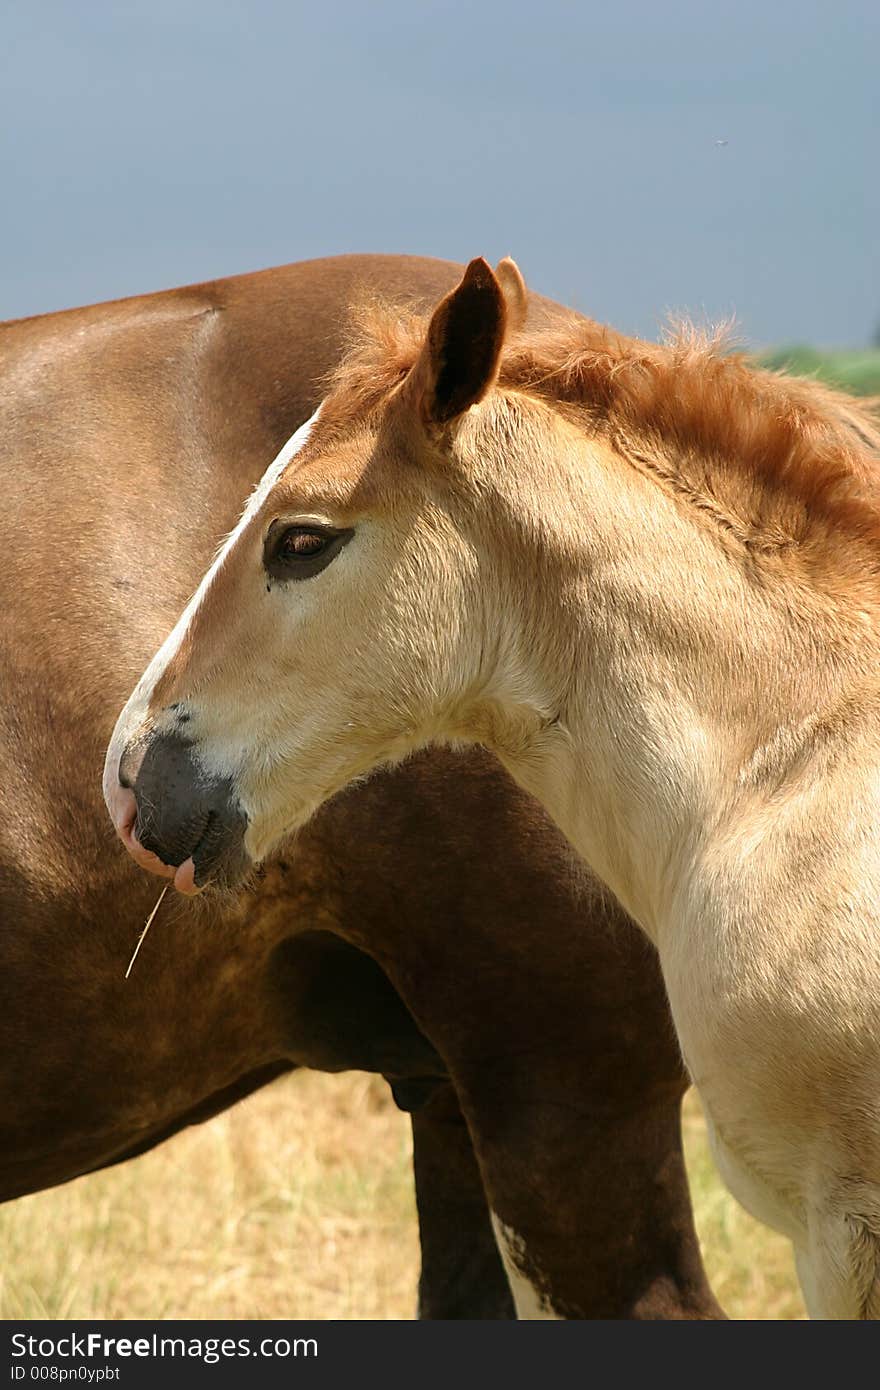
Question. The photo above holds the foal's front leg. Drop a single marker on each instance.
(835, 1240)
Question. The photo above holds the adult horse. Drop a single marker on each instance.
(703, 726)
(131, 432)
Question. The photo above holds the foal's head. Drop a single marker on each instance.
(355, 614)
(414, 565)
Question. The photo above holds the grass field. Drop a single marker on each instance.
(297, 1203)
(857, 371)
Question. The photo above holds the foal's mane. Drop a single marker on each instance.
(775, 457)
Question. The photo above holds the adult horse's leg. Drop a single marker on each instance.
(625, 1194)
(549, 1010)
(462, 1275)
(564, 1148)
(594, 1150)
(342, 1013)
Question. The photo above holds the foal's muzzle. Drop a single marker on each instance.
(176, 820)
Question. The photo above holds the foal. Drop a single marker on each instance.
(646, 577)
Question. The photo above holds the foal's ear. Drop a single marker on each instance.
(459, 361)
(516, 295)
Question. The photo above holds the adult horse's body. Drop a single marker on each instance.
(130, 433)
(646, 576)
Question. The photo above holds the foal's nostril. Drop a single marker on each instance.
(128, 769)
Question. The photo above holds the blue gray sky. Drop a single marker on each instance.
(635, 158)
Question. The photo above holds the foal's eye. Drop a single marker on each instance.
(298, 545)
(299, 552)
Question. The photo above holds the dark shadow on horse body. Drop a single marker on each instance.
(131, 433)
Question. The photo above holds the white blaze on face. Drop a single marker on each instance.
(532, 1304)
(138, 703)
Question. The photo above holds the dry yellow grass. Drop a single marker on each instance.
(297, 1203)
(750, 1268)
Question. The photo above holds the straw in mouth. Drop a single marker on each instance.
(147, 926)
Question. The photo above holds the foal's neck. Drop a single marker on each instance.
(687, 684)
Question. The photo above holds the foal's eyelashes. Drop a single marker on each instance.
(300, 550)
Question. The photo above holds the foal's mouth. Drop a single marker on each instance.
(184, 859)
(203, 855)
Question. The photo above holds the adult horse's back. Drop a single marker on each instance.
(130, 434)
